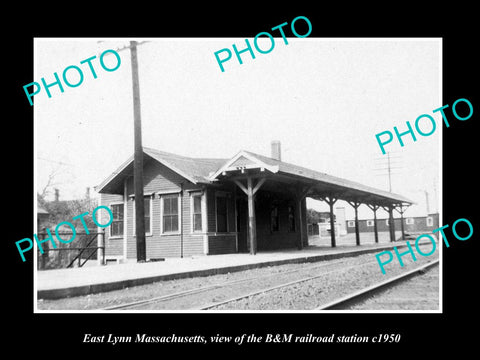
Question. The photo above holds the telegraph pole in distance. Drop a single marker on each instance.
(389, 166)
(389, 174)
(138, 160)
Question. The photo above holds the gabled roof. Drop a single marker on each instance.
(195, 170)
(209, 170)
(316, 178)
(329, 179)
(246, 160)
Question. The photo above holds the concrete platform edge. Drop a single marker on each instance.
(53, 294)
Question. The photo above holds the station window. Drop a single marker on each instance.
(197, 212)
(351, 223)
(170, 214)
(369, 222)
(409, 221)
(116, 228)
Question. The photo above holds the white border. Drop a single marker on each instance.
(440, 198)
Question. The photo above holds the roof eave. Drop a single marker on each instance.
(118, 172)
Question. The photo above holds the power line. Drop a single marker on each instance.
(389, 166)
(56, 162)
(126, 47)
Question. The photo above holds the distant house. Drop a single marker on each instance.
(50, 213)
(42, 217)
(196, 206)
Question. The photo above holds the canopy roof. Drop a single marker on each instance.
(316, 184)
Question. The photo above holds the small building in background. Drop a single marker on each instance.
(412, 225)
(42, 217)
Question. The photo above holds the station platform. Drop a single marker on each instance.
(61, 283)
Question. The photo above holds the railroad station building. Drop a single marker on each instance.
(204, 206)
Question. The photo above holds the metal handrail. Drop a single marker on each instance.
(81, 252)
(80, 249)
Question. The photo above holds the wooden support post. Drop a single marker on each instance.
(250, 191)
(391, 223)
(401, 211)
(357, 230)
(300, 194)
(375, 228)
(236, 217)
(403, 230)
(251, 218)
(331, 201)
(300, 223)
(401, 223)
(304, 222)
(355, 205)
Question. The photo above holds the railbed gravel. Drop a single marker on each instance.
(420, 293)
(301, 296)
(314, 293)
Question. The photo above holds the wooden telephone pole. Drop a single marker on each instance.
(138, 159)
(393, 163)
(137, 155)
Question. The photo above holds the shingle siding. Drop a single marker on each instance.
(221, 244)
(157, 178)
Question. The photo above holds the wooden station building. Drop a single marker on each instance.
(248, 203)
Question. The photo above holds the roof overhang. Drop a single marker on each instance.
(114, 183)
(244, 164)
(318, 186)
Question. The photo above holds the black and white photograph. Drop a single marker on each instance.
(224, 181)
(264, 183)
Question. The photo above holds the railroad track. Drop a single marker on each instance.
(195, 291)
(279, 286)
(337, 304)
(362, 295)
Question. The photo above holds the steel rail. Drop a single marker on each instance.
(214, 286)
(365, 293)
(233, 282)
(253, 293)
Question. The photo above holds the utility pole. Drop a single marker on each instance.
(138, 159)
(389, 174)
(137, 155)
(391, 165)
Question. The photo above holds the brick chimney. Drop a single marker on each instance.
(276, 150)
(57, 195)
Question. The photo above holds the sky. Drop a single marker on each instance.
(323, 98)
